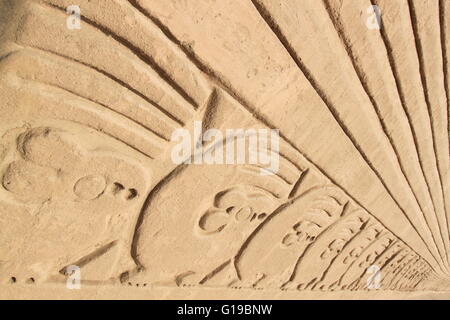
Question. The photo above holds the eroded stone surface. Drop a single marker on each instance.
(359, 201)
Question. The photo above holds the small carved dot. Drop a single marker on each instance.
(132, 193)
(230, 209)
(116, 188)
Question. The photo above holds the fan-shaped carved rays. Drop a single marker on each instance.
(363, 176)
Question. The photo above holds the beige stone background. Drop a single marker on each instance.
(360, 95)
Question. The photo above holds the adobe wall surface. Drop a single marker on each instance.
(164, 149)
